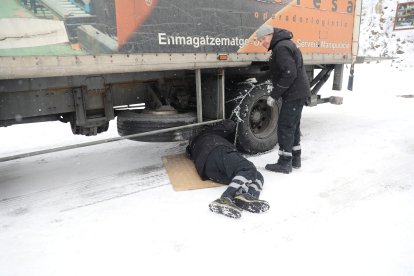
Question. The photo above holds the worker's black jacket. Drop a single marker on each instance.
(209, 139)
(287, 70)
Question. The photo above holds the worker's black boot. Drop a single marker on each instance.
(283, 165)
(296, 161)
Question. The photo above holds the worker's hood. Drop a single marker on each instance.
(279, 35)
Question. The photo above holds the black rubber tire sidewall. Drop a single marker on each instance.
(130, 122)
(248, 141)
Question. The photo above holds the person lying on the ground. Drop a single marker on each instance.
(217, 159)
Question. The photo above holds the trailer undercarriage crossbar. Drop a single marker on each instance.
(109, 140)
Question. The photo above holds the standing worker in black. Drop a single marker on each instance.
(290, 82)
(217, 159)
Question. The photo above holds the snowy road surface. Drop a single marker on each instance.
(110, 209)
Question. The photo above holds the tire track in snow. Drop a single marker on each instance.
(86, 192)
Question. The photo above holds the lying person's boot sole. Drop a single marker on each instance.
(223, 209)
(252, 205)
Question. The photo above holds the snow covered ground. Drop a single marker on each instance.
(110, 210)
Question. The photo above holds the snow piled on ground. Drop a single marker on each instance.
(110, 210)
(378, 37)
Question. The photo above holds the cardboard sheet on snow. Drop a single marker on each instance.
(183, 174)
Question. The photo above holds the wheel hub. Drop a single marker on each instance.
(260, 117)
(256, 116)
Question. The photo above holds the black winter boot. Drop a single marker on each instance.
(296, 161)
(251, 203)
(283, 165)
(225, 206)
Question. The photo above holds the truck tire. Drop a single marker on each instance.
(130, 122)
(257, 130)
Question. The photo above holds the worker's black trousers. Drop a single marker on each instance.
(288, 130)
(227, 166)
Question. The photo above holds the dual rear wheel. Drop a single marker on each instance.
(257, 122)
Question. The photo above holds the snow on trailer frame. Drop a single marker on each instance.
(173, 56)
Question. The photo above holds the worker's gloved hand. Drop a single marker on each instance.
(270, 101)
